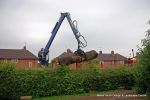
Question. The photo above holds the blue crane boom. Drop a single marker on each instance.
(43, 53)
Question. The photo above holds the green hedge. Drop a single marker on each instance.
(108, 79)
(17, 82)
(61, 81)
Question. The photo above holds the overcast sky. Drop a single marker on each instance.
(107, 25)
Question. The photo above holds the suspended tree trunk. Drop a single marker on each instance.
(70, 58)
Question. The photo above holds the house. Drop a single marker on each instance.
(110, 59)
(21, 57)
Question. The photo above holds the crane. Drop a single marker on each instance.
(43, 54)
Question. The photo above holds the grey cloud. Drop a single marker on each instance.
(106, 24)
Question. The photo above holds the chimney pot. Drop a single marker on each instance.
(112, 52)
(24, 48)
(100, 52)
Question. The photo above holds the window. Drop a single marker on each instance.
(30, 64)
(5, 60)
(14, 60)
(121, 62)
(112, 62)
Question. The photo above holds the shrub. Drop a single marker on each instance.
(7, 81)
(114, 78)
(91, 78)
(17, 82)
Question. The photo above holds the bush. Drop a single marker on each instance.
(19, 82)
(7, 81)
(106, 79)
(37, 82)
(114, 78)
(61, 81)
(91, 78)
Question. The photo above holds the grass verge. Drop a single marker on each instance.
(68, 97)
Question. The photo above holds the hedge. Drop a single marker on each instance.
(61, 81)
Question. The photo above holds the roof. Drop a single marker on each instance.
(111, 57)
(17, 54)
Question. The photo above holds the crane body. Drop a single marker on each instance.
(43, 53)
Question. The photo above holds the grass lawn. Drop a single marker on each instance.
(66, 97)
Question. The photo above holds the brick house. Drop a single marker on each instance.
(21, 57)
(110, 59)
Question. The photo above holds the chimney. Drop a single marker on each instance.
(24, 48)
(100, 52)
(112, 52)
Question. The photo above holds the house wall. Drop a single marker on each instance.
(27, 63)
(73, 66)
(22, 63)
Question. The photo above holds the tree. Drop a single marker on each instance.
(143, 69)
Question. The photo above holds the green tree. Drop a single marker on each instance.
(143, 70)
